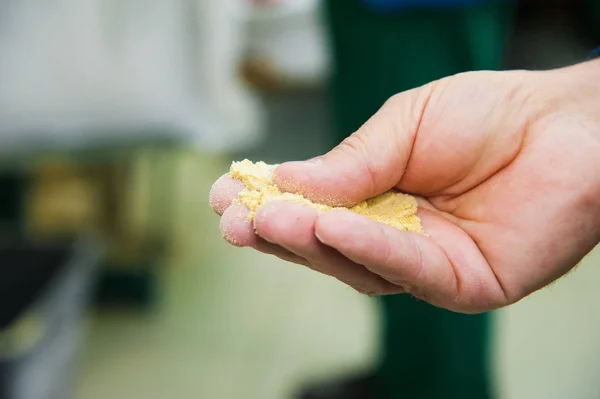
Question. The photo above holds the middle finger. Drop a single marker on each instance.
(292, 226)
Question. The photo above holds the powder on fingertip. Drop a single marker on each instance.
(391, 208)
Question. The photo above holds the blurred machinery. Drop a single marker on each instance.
(97, 96)
(94, 97)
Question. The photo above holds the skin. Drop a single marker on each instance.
(506, 168)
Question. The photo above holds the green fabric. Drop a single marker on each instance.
(376, 56)
(433, 353)
(429, 353)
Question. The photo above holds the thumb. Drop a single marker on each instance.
(367, 163)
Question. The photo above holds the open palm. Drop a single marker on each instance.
(507, 175)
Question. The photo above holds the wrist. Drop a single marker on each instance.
(574, 95)
(575, 90)
(589, 84)
(589, 102)
(589, 98)
(590, 72)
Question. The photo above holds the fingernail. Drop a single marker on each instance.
(319, 237)
(315, 161)
(312, 161)
(272, 170)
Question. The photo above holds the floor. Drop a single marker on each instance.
(236, 324)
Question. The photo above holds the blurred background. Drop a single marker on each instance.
(115, 118)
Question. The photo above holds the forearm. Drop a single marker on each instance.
(574, 95)
(588, 98)
(594, 70)
(575, 90)
(589, 102)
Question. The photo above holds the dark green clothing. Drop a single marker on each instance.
(429, 353)
(376, 56)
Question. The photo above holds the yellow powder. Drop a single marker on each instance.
(392, 208)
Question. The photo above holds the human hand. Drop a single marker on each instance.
(506, 169)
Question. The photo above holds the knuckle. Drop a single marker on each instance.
(394, 100)
(353, 145)
(357, 147)
(418, 259)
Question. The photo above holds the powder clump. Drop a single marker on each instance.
(391, 208)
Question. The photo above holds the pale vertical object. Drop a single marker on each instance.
(291, 24)
(219, 48)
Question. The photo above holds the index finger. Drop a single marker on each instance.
(223, 192)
